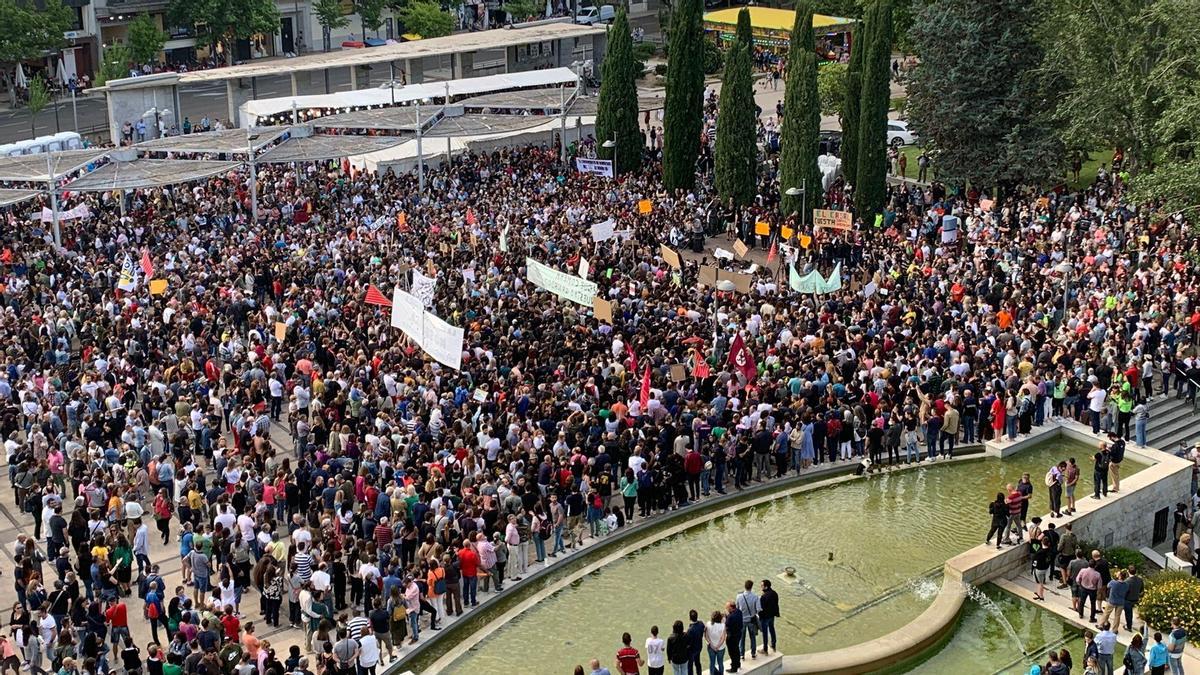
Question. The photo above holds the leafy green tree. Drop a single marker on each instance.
(225, 21)
(616, 116)
(853, 101)
(114, 63)
(146, 39)
(831, 88)
(26, 31)
(744, 35)
(370, 14)
(329, 16)
(1173, 182)
(801, 117)
(426, 19)
(736, 151)
(977, 103)
(870, 186)
(1102, 56)
(39, 98)
(684, 106)
(522, 10)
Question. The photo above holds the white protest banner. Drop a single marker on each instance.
(604, 231)
(567, 286)
(599, 167)
(81, 211)
(584, 267)
(423, 287)
(406, 314)
(870, 289)
(949, 229)
(442, 341)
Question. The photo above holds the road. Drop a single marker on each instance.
(200, 100)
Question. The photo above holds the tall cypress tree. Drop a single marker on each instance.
(870, 188)
(737, 130)
(801, 117)
(850, 107)
(745, 31)
(684, 107)
(616, 115)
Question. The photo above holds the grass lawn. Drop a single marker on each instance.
(1086, 175)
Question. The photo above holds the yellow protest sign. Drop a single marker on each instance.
(805, 241)
(835, 220)
(762, 228)
(645, 206)
(158, 286)
(786, 232)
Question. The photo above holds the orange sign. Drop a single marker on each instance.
(645, 206)
(762, 228)
(786, 232)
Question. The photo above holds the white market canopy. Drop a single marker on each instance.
(252, 111)
(9, 197)
(319, 148)
(40, 167)
(148, 173)
(225, 141)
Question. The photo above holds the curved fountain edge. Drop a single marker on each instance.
(649, 532)
(903, 644)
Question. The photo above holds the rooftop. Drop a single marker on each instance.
(451, 44)
(771, 18)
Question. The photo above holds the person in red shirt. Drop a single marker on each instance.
(118, 619)
(468, 567)
(231, 624)
(628, 659)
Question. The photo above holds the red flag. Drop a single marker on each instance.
(632, 360)
(374, 297)
(700, 369)
(645, 395)
(147, 264)
(741, 358)
(470, 217)
(774, 252)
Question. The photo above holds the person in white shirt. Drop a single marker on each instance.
(656, 651)
(368, 654)
(1096, 405)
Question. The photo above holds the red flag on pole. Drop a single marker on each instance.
(700, 369)
(470, 216)
(644, 398)
(741, 358)
(632, 360)
(147, 264)
(774, 252)
(374, 297)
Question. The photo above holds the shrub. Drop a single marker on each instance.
(1174, 597)
(1167, 576)
(660, 69)
(1121, 557)
(714, 59)
(644, 50)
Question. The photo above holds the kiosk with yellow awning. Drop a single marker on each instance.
(772, 27)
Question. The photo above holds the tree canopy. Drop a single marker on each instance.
(329, 16)
(683, 108)
(616, 117)
(146, 39)
(26, 32)
(801, 117)
(223, 21)
(736, 152)
(426, 19)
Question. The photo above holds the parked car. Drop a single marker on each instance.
(898, 134)
(593, 14)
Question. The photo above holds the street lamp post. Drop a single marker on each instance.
(802, 191)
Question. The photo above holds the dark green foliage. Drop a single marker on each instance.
(870, 187)
(976, 101)
(853, 102)
(683, 113)
(736, 151)
(801, 117)
(616, 117)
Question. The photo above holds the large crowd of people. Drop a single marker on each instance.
(332, 466)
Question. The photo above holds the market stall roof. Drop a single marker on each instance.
(147, 173)
(32, 168)
(450, 44)
(225, 141)
(10, 197)
(528, 99)
(324, 147)
(252, 111)
(773, 19)
(401, 118)
(480, 125)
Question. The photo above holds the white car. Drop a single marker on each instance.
(898, 134)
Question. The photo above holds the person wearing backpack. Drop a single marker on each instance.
(541, 530)
(436, 580)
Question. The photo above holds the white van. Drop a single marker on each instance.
(592, 15)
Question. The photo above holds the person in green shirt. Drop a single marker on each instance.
(121, 560)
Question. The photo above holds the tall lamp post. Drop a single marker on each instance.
(802, 192)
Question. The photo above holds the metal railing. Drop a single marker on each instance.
(1193, 387)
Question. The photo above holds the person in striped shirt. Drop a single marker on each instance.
(304, 562)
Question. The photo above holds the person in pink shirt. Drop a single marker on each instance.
(412, 605)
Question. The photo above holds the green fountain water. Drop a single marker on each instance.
(856, 548)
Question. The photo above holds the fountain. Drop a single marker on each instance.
(926, 589)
